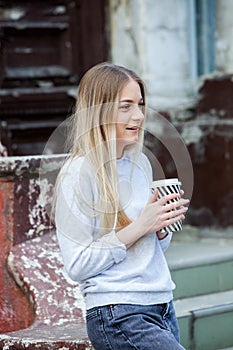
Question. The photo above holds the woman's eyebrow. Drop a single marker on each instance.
(131, 101)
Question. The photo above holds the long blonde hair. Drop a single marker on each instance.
(94, 134)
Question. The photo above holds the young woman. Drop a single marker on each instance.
(108, 223)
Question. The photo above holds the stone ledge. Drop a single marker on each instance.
(58, 305)
(69, 337)
(203, 305)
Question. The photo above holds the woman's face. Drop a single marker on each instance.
(130, 116)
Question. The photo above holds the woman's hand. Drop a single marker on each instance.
(159, 213)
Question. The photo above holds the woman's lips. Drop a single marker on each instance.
(133, 128)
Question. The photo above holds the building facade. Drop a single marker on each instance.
(183, 49)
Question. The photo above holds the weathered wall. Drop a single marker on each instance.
(213, 151)
(207, 131)
(23, 215)
(155, 39)
(224, 34)
(15, 309)
(29, 216)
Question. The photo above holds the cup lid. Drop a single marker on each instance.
(165, 182)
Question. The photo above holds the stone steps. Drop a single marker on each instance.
(201, 265)
(206, 322)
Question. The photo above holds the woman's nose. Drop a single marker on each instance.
(137, 113)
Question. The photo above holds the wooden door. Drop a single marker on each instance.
(45, 48)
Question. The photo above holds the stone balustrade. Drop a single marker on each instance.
(40, 306)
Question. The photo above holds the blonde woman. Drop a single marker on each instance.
(109, 225)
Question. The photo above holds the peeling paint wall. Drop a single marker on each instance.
(32, 195)
(15, 309)
(40, 307)
(153, 39)
(224, 35)
(23, 216)
(157, 40)
(208, 135)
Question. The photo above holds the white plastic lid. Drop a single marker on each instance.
(165, 182)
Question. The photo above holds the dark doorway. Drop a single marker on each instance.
(45, 47)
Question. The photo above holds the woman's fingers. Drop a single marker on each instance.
(169, 209)
(173, 197)
(176, 204)
(168, 198)
(154, 197)
(174, 213)
(174, 220)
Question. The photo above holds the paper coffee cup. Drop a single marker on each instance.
(165, 187)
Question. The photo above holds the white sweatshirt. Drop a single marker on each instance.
(107, 272)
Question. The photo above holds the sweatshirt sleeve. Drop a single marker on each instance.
(85, 252)
(164, 243)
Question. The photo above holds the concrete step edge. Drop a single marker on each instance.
(203, 305)
(183, 255)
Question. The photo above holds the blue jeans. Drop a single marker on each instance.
(138, 327)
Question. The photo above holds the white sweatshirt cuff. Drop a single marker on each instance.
(165, 242)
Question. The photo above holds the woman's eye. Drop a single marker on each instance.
(125, 107)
